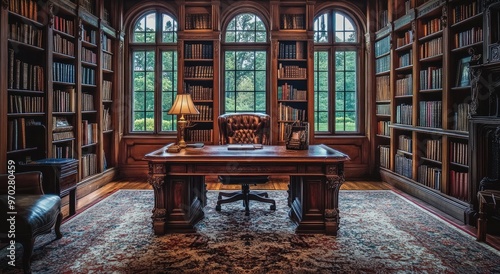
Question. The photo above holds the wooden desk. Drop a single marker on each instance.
(178, 180)
(486, 198)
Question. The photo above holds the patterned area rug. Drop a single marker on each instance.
(381, 232)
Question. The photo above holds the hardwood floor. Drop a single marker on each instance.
(275, 184)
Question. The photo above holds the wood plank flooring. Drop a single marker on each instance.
(274, 184)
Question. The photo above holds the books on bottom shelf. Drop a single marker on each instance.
(459, 184)
(385, 151)
(89, 164)
(63, 150)
(430, 176)
(403, 165)
(199, 135)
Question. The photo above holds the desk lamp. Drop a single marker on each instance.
(183, 104)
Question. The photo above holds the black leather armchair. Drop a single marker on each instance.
(36, 214)
(244, 128)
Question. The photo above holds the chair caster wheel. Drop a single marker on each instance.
(217, 207)
(273, 207)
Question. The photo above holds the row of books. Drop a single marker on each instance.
(106, 43)
(405, 40)
(432, 26)
(64, 25)
(430, 176)
(16, 137)
(382, 46)
(63, 45)
(383, 19)
(459, 184)
(24, 75)
(292, 21)
(404, 114)
(404, 86)
(432, 48)
(459, 153)
(383, 128)
(62, 72)
(107, 61)
(25, 104)
(89, 35)
(200, 92)
(198, 51)
(289, 92)
(107, 90)
(107, 122)
(89, 5)
(385, 152)
(26, 8)
(63, 150)
(464, 11)
(461, 120)
(88, 56)
(468, 37)
(291, 72)
(405, 143)
(199, 135)
(206, 113)
(383, 84)
(198, 21)
(89, 132)
(406, 59)
(430, 113)
(294, 50)
(431, 78)
(403, 165)
(199, 72)
(88, 76)
(383, 109)
(288, 113)
(25, 33)
(383, 64)
(63, 100)
(89, 164)
(433, 148)
(87, 102)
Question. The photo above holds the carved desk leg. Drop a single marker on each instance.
(481, 221)
(333, 182)
(159, 211)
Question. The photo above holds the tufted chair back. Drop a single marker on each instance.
(244, 128)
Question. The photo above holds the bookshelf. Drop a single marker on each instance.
(430, 97)
(199, 40)
(53, 80)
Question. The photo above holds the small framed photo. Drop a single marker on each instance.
(463, 77)
(494, 52)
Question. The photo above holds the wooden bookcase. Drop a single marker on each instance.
(432, 43)
(68, 90)
(198, 43)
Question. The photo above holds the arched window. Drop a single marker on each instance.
(245, 65)
(336, 74)
(153, 51)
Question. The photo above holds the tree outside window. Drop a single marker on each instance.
(336, 67)
(154, 56)
(245, 68)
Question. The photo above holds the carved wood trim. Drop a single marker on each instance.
(444, 16)
(475, 87)
(5, 4)
(157, 181)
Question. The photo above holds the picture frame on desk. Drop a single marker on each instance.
(463, 74)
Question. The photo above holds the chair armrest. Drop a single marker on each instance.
(24, 182)
(489, 184)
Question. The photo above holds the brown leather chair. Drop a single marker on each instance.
(244, 128)
(36, 212)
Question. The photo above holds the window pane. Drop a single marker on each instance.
(321, 29)
(169, 88)
(321, 98)
(245, 86)
(246, 28)
(339, 121)
(169, 32)
(143, 89)
(350, 60)
(146, 88)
